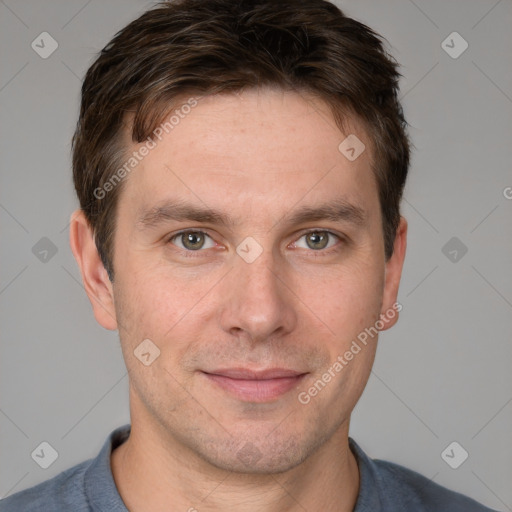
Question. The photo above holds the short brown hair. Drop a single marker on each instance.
(223, 46)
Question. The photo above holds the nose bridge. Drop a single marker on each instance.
(257, 300)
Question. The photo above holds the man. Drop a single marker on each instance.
(239, 167)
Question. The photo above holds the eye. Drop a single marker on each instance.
(318, 240)
(191, 240)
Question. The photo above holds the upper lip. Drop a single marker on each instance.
(247, 374)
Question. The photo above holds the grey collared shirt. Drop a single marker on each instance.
(90, 487)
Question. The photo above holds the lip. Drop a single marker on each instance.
(255, 386)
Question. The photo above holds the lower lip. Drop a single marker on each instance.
(263, 390)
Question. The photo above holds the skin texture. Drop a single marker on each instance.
(257, 156)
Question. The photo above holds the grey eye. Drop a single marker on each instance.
(318, 240)
(191, 240)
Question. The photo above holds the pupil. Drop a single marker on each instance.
(193, 239)
(317, 238)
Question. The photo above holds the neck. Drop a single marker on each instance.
(154, 470)
(151, 474)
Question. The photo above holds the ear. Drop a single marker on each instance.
(393, 272)
(94, 276)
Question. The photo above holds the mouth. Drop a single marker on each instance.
(255, 386)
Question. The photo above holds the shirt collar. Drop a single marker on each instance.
(368, 498)
(100, 487)
(102, 493)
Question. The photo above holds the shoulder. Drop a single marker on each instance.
(399, 489)
(86, 486)
(413, 487)
(64, 491)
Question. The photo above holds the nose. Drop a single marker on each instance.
(258, 303)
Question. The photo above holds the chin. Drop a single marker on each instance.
(258, 456)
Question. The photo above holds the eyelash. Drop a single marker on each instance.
(319, 253)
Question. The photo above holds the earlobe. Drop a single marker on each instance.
(94, 276)
(390, 306)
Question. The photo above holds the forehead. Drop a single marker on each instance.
(252, 150)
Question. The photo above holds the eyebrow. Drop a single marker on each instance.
(338, 210)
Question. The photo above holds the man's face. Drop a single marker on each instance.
(222, 313)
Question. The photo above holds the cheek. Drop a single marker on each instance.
(169, 310)
(347, 300)
(156, 301)
(154, 309)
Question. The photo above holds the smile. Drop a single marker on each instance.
(251, 386)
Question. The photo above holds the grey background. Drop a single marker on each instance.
(442, 374)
